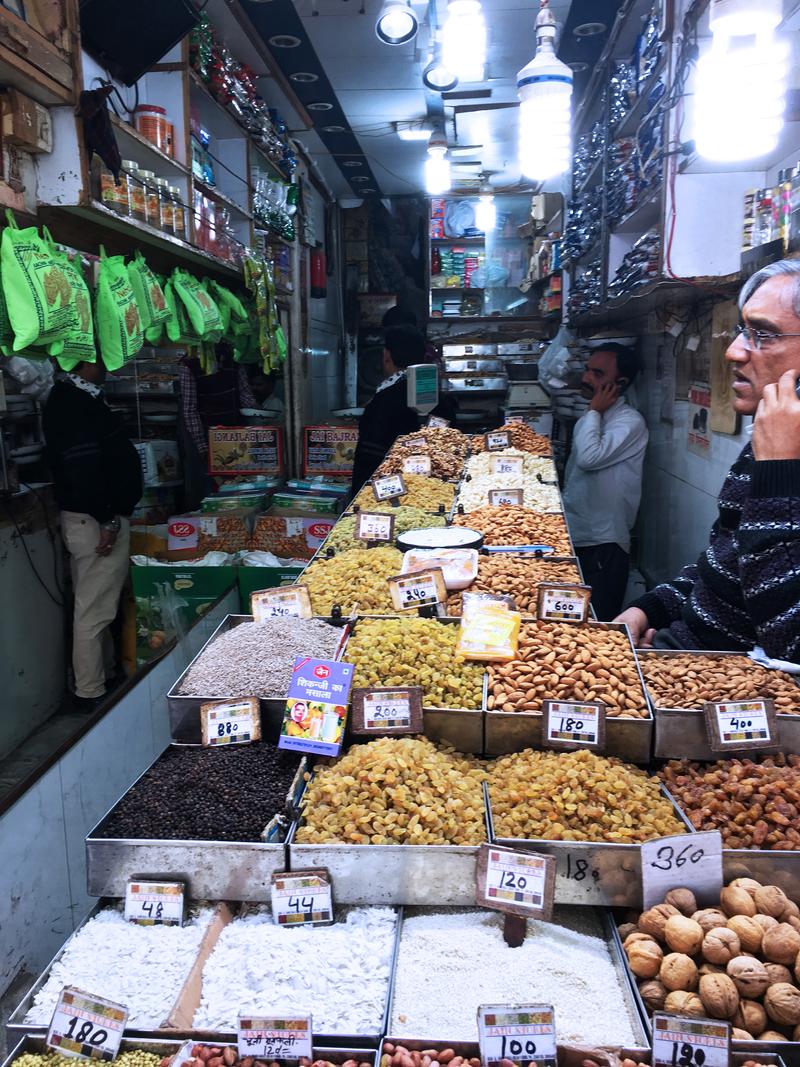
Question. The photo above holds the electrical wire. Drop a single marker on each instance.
(53, 536)
(24, 543)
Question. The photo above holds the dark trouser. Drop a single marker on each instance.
(605, 569)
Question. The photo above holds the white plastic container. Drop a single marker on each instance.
(459, 565)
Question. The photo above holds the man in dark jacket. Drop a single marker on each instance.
(387, 415)
(97, 477)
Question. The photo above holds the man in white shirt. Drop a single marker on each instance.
(603, 483)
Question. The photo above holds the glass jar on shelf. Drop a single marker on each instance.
(152, 199)
(107, 191)
(178, 213)
(136, 190)
(167, 207)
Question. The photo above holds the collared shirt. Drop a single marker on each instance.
(87, 387)
(603, 483)
(396, 377)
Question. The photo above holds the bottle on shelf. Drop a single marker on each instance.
(179, 213)
(106, 190)
(167, 207)
(152, 123)
(136, 190)
(152, 199)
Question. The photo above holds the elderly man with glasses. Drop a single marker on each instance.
(744, 590)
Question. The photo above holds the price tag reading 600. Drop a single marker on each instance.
(563, 603)
(692, 860)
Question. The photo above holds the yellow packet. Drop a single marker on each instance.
(489, 632)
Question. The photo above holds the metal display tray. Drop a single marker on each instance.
(680, 733)
(450, 351)
(216, 870)
(630, 739)
(474, 366)
(476, 384)
(184, 711)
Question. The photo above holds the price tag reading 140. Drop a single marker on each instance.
(86, 1026)
(302, 898)
(693, 861)
(682, 1042)
(518, 1033)
(275, 1038)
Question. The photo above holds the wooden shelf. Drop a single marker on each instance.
(656, 294)
(587, 181)
(642, 217)
(630, 123)
(132, 144)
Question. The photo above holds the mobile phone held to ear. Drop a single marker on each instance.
(797, 388)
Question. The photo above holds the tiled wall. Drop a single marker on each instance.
(43, 883)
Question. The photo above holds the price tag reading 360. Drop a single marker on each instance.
(693, 861)
(154, 903)
(519, 883)
(741, 724)
(275, 1038)
(682, 1042)
(518, 1033)
(86, 1026)
(374, 526)
(563, 603)
(302, 898)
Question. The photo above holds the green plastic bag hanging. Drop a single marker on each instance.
(149, 294)
(235, 319)
(79, 342)
(6, 333)
(119, 328)
(39, 297)
(202, 311)
(179, 329)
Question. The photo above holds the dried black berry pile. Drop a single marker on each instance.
(206, 794)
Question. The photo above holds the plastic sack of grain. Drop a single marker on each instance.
(119, 327)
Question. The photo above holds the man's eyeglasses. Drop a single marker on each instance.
(755, 340)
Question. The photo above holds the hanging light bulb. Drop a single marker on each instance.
(486, 214)
(397, 22)
(740, 91)
(437, 165)
(464, 40)
(544, 88)
(436, 75)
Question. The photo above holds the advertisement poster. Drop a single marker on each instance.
(329, 450)
(316, 706)
(699, 407)
(245, 450)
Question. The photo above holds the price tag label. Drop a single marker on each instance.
(693, 861)
(497, 441)
(517, 1033)
(387, 711)
(154, 903)
(272, 1038)
(569, 726)
(435, 421)
(302, 898)
(682, 1042)
(506, 496)
(287, 601)
(520, 883)
(230, 722)
(508, 465)
(389, 487)
(373, 526)
(418, 590)
(741, 724)
(86, 1026)
(418, 464)
(417, 442)
(515, 418)
(563, 603)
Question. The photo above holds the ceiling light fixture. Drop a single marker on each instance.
(544, 88)
(577, 66)
(320, 105)
(334, 129)
(486, 214)
(741, 81)
(437, 165)
(305, 77)
(360, 178)
(413, 130)
(437, 76)
(397, 22)
(590, 29)
(352, 163)
(464, 40)
(284, 40)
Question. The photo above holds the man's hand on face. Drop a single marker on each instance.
(604, 397)
(776, 428)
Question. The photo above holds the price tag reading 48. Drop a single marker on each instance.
(563, 603)
(86, 1026)
(274, 1038)
(154, 903)
(302, 898)
(691, 861)
(518, 1033)
(681, 1042)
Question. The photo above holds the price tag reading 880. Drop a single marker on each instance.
(508, 465)
(275, 1038)
(681, 1042)
(693, 861)
(230, 722)
(517, 1033)
(86, 1026)
(563, 603)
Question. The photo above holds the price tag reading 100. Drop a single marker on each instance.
(517, 1032)
(86, 1026)
(681, 1042)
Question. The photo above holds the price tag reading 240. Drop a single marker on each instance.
(569, 726)
(563, 603)
(517, 1033)
(86, 1026)
(419, 590)
(275, 1038)
(284, 602)
(374, 526)
(519, 883)
(302, 898)
(693, 861)
(682, 1042)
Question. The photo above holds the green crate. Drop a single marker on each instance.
(254, 578)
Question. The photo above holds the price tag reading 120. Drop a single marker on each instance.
(154, 903)
(682, 1042)
(741, 724)
(517, 1033)
(563, 603)
(302, 898)
(86, 1026)
(693, 861)
(520, 883)
(275, 1038)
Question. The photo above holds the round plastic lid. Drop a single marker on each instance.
(440, 537)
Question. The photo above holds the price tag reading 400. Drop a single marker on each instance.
(508, 465)
(86, 1026)
(520, 883)
(230, 722)
(302, 898)
(154, 903)
(693, 861)
(290, 601)
(563, 603)
(434, 421)
(418, 590)
(570, 726)
(275, 1038)
(517, 1033)
(741, 724)
(374, 526)
(392, 485)
(681, 1042)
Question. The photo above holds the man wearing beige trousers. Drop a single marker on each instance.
(97, 478)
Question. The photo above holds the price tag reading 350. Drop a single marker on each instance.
(518, 1033)
(520, 883)
(389, 487)
(275, 1038)
(692, 861)
(284, 602)
(419, 590)
(563, 603)
(681, 1042)
(230, 722)
(508, 465)
(302, 898)
(374, 526)
(741, 724)
(569, 726)
(86, 1026)
(154, 903)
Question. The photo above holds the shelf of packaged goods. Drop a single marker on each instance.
(642, 217)
(277, 171)
(588, 256)
(656, 294)
(213, 193)
(628, 126)
(486, 318)
(587, 181)
(271, 235)
(132, 144)
(459, 240)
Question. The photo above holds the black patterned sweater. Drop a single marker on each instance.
(744, 590)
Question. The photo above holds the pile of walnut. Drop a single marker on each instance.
(738, 961)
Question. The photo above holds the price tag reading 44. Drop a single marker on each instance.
(275, 1039)
(154, 903)
(497, 441)
(520, 883)
(691, 861)
(517, 1033)
(230, 722)
(86, 1026)
(418, 464)
(374, 526)
(387, 711)
(389, 487)
(418, 590)
(681, 1042)
(302, 898)
(508, 465)
(570, 726)
(563, 603)
(741, 724)
(291, 601)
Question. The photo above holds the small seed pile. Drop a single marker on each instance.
(422, 492)
(522, 437)
(352, 582)
(342, 536)
(752, 804)
(206, 794)
(512, 524)
(132, 1058)
(396, 791)
(516, 576)
(689, 680)
(577, 796)
(557, 661)
(440, 439)
(256, 658)
(415, 651)
(444, 465)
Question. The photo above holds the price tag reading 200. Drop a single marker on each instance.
(693, 861)
(275, 1038)
(518, 1033)
(682, 1042)
(387, 710)
(86, 1026)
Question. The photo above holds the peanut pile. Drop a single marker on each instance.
(522, 437)
(516, 576)
(445, 465)
(512, 524)
(577, 796)
(688, 681)
(344, 580)
(558, 661)
(440, 439)
(752, 804)
(423, 492)
(400, 1056)
(228, 1056)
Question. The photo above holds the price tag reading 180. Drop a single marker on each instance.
(693, 861)
(682, 1042)
(741, 724)
(302, 898)
(563, 603)
(517, 1033)
(508, 465)
(86, 1026)
(230, 722)
(154, 903)
(284, 602)
(569, 725)
(275, 1038)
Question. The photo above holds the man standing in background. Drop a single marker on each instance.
(603, 482)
